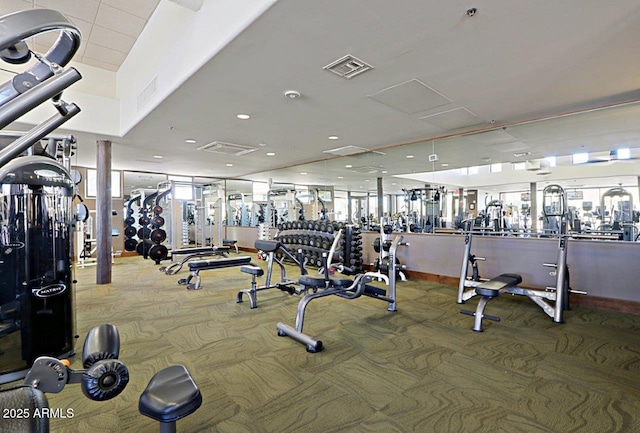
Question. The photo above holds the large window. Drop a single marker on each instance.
(92, 184)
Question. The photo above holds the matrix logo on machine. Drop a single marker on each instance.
(49, 291)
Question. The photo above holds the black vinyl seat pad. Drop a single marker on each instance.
(492, 287)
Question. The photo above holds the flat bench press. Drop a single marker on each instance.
(193, 253)
(489, 290)
(203, 265)
(196, 250)
(553, 300)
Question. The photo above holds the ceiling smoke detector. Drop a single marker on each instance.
(292, 94)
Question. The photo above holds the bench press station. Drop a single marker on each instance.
(552, 300)
(203, 265)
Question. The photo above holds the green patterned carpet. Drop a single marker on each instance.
(420, 369)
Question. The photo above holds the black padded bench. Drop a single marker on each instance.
(170, 395)
(177, 265)
(199, 250)
(196, 266)
(489, 290)
(254, 271)
(231, 243)
(319, 282)
(267, 246)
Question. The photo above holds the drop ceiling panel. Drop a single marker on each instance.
(517, 146)
(491, 137)
(119, 21)
(9, 6)
(104, 54)
(139, 8)
(453, 119)
(410, 97)
(114, 40)
(85, 10)
(100, 64)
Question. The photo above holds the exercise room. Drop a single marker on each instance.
(285, 216)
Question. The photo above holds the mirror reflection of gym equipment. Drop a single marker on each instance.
(424, 209)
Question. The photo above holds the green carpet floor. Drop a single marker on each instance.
(420, 369)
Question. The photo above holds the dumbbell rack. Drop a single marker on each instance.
(314, 238)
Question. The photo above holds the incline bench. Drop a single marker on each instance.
(489, 290)
(202, 265)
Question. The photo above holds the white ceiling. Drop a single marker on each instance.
(437, 72)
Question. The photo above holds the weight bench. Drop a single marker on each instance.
(489, 290)
(203, 265)
(170, 395)
(321, 287)
(176, 266)
(231, 243)
(196, 250)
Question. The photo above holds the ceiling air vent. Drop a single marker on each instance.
(346, 150)
(367, 169)
(147, 93)
(348, 66)
(223, 148)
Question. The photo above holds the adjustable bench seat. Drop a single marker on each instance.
(318, 282)
(202, 265)
(374, 291)
(267, 246)
(252, 270)
(170, 395)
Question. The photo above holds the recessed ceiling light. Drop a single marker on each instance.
(271, 154)
(409, 156)
(229, 165)
(348, 166)
(521, 154)
(340, 177)
(158, 156)
(243, 116)
(394, 184)
(303, 173)
(366, 180)
(190, 141)
(360, 186)
(384, 171)
(444, 164)
(333, 137)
